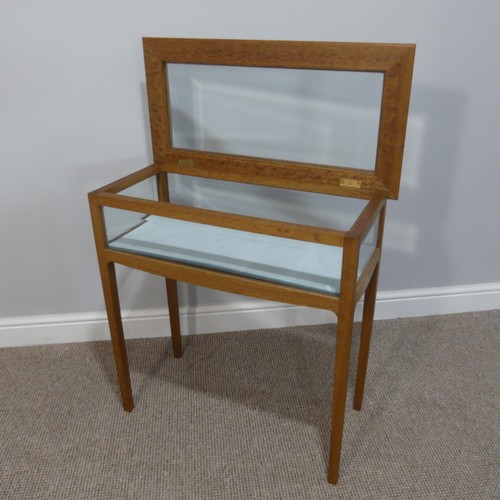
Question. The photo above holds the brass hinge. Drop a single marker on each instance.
(350, 183)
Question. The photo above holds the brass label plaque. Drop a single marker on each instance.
(350, 183)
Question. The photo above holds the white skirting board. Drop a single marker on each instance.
(248, 315)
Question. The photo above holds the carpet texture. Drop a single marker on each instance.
(246, 415)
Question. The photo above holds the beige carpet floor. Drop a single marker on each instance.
(246, 415)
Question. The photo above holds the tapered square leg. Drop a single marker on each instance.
(366, 332)
(173, 313)
(341, 375)
(110, 289)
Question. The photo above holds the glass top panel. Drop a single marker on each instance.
(323, 117)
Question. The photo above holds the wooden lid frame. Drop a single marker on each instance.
(395, 61)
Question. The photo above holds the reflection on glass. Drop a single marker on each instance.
(324, 117)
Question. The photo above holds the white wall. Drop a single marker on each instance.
(73, 116)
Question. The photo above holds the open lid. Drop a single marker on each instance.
(327, 117)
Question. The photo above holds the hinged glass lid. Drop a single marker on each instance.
(312, 116)
(321, 117)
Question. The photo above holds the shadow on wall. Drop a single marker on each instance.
(417, 244)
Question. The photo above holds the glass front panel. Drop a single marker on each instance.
(302, 264)
(312, 116)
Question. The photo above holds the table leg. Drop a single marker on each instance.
(173, 313)
(110, 289)
(342, 357)
(366, 332)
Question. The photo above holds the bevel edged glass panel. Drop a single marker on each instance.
(301, 264)
(322, 117)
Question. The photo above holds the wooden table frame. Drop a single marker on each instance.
(396, 62)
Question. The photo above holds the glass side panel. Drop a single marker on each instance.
(313, 116)
(368, 246)
(301, 264)
(146, 189)
(120, 222)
